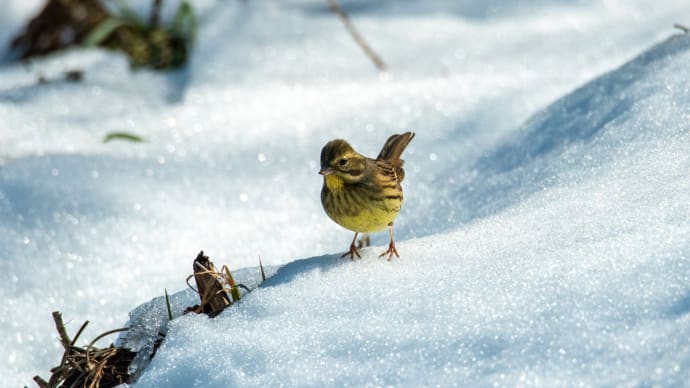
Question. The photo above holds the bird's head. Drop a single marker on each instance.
(339, 162)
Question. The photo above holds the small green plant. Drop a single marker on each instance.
(234, 289)
(147, 42)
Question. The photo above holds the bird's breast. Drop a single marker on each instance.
(359, 211)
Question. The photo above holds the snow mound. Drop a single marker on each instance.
(572, 268)
(639, 109)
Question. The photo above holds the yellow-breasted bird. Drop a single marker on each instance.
(363, 194)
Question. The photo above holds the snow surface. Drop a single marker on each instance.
(553, 252)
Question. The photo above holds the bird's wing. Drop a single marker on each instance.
(390, 170)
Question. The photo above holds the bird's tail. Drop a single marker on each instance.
(394, 147)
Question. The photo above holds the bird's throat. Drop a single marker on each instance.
(334, 182)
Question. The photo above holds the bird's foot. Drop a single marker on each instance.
(391, 251)
(352, 252)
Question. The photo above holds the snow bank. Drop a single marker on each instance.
(575, 270)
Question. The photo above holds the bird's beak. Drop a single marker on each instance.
(326, 171)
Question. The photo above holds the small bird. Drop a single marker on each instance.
(363, 194)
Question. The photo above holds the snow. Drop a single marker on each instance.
(543, 240)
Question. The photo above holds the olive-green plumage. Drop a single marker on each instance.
(363, 194)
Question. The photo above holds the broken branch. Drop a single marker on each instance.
(345, 19)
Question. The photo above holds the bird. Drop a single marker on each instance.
(363, 194)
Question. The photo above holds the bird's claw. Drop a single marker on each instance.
(391, 251)
(352, 252)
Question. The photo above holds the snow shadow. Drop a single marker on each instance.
(292, 270)
(470, 9)
(582, 114)
(61, 179)
(680, 308)
(21, 94)
(571, 136)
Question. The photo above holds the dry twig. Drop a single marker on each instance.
(90, 366)
(335, 8)
(154, 17)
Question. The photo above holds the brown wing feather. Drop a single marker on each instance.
(394, 147)
(392, 170)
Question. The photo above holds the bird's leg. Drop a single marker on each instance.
(391, 246)
(353, 249)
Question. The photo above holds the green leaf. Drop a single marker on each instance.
(123, 136)
(234, 290)
(184, 23)
(235, 293)
(102, 31)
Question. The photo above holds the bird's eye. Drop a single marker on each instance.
(342, 162)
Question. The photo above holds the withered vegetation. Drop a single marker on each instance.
(88, 366)
(92, 367)
(147, 42)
